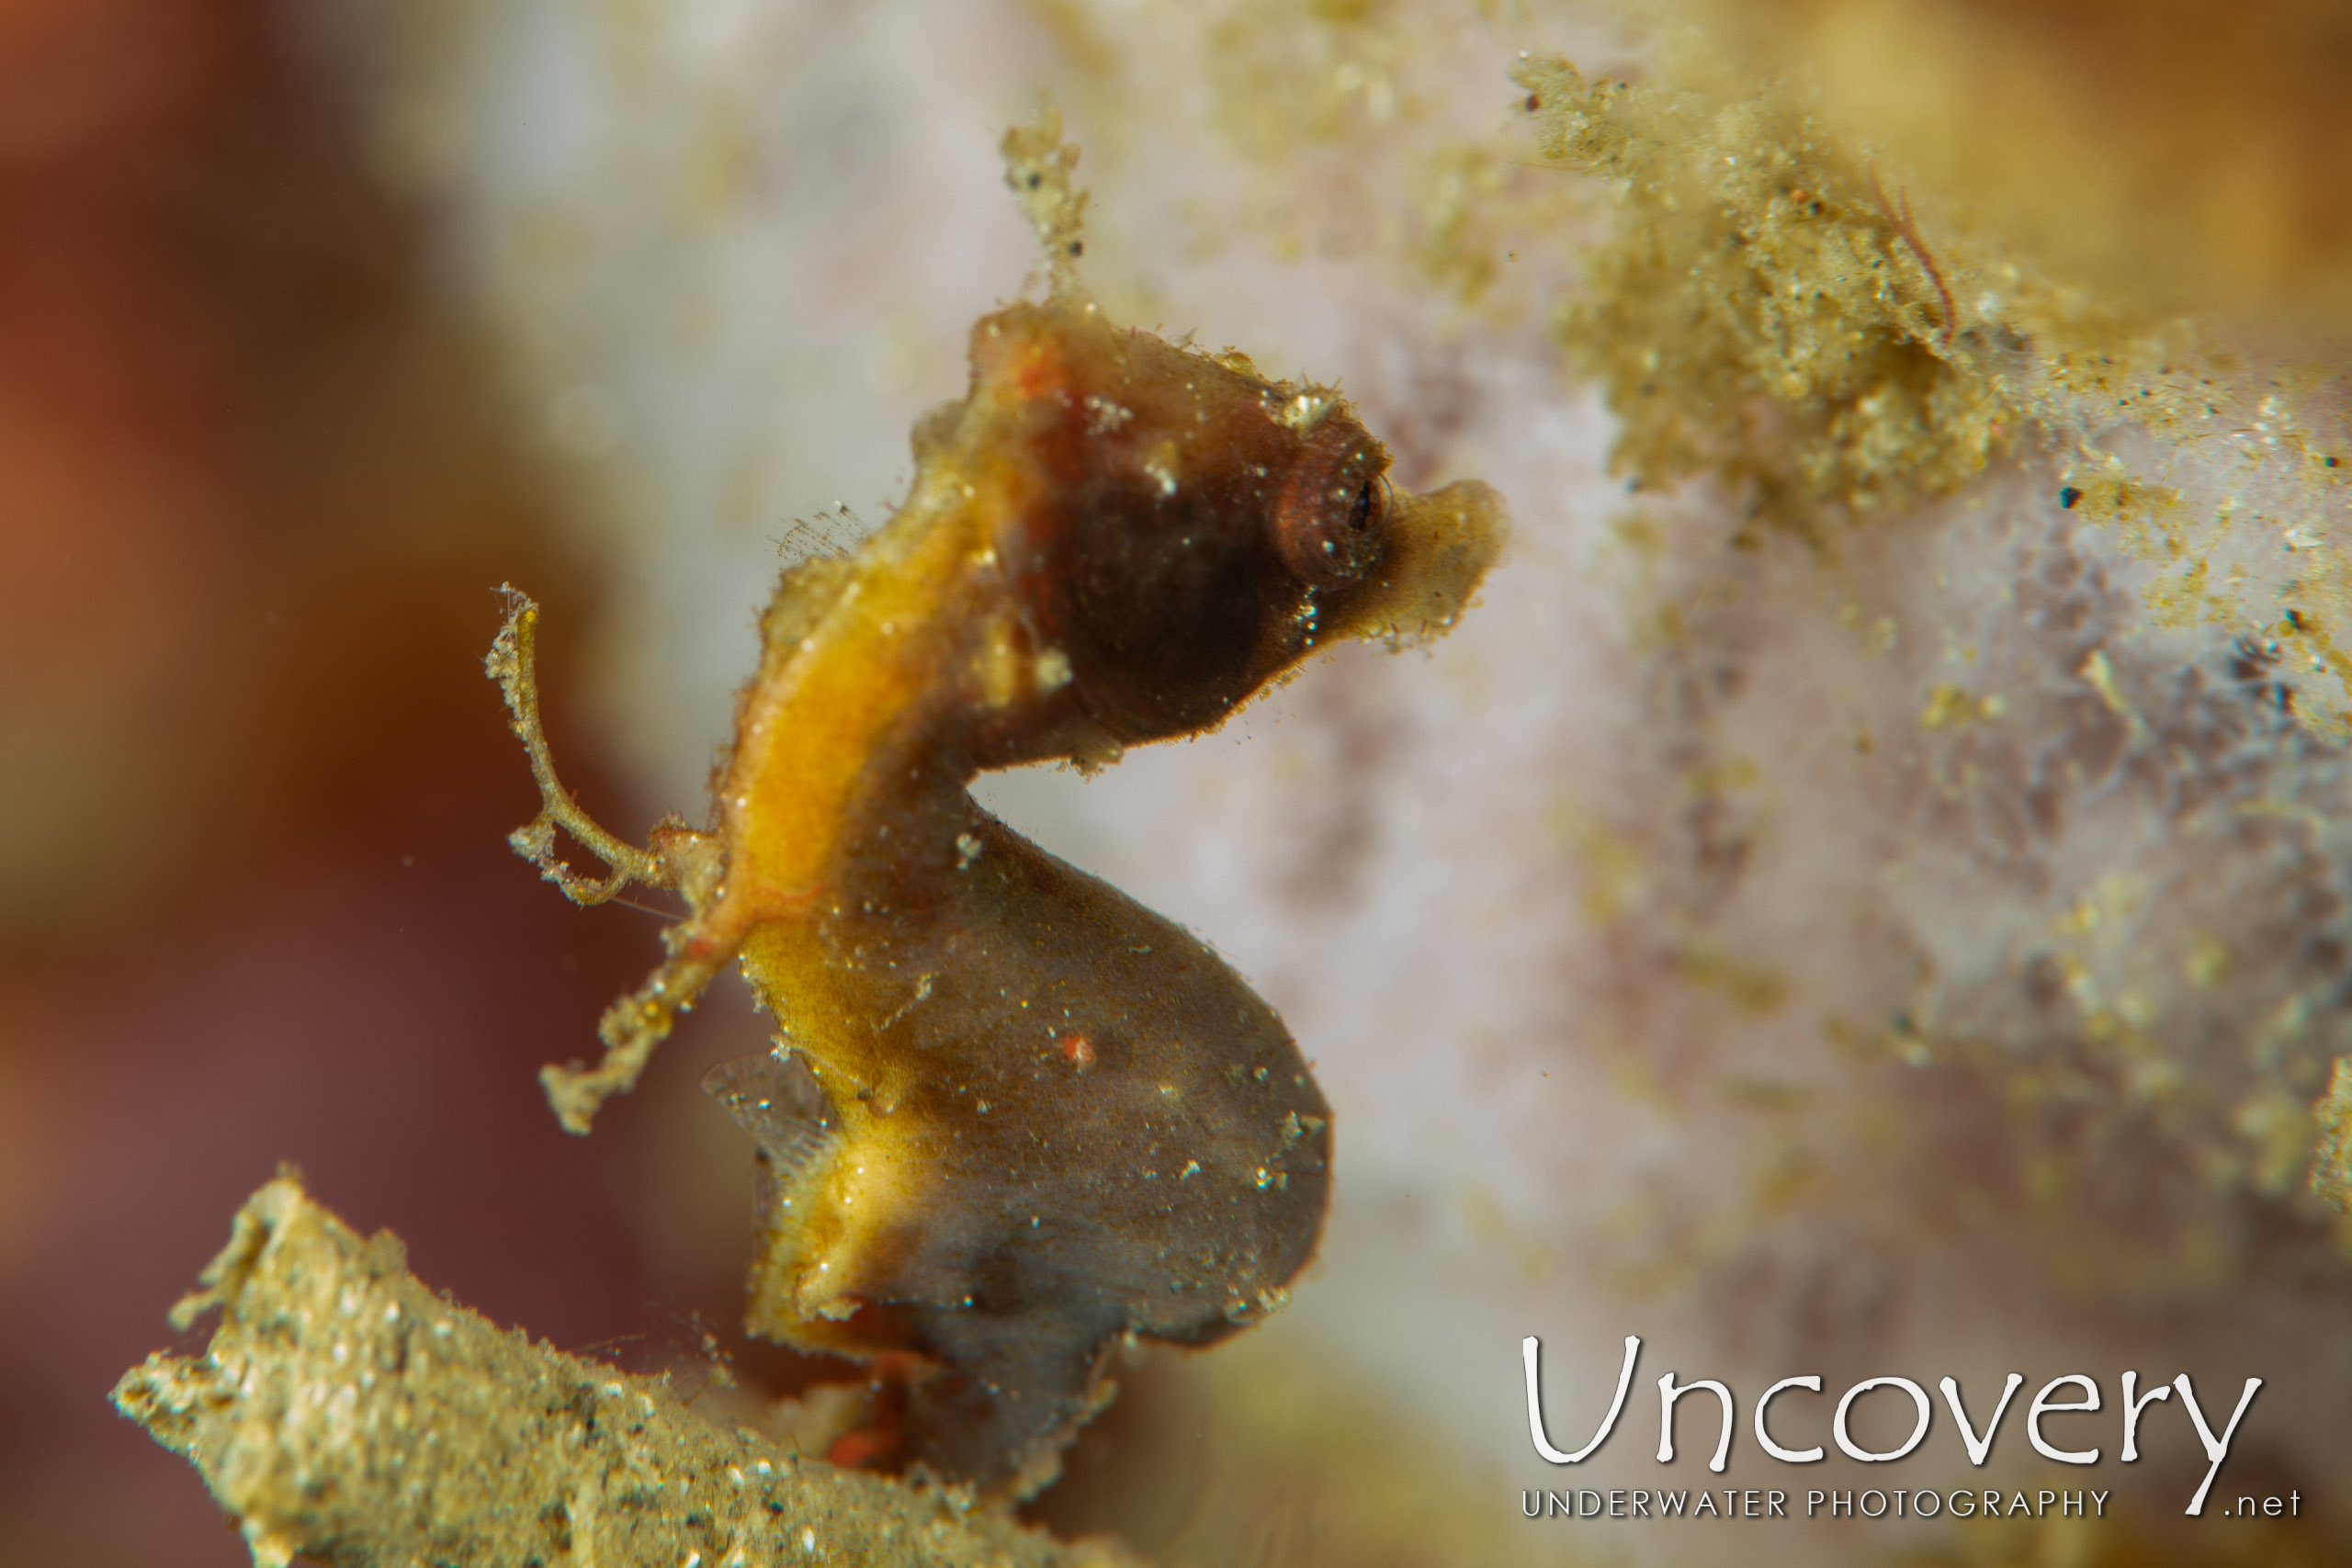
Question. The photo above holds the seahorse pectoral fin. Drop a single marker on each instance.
(774, 1097)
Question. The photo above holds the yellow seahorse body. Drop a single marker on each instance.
(1042, 1118)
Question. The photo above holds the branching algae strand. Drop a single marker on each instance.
(1013, 1117)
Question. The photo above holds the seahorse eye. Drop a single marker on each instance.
(1329, 523)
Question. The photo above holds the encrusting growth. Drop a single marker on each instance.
(1014, 1118)
(348, 1414)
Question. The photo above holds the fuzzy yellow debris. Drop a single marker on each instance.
(2331, 1173)
(1765, 311)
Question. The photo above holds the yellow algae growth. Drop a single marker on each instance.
(1772, 312)
(1764, 310)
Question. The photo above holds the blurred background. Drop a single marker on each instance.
(1862, 934)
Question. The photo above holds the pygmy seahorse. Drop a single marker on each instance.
(1013, 1117)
